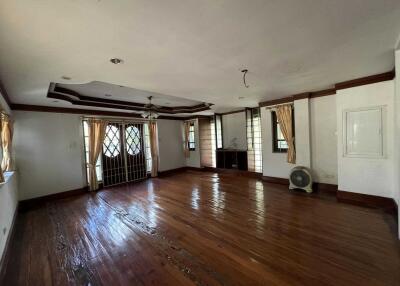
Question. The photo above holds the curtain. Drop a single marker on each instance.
(97, 130)
(153, 148)
(186, 150)
(284, 116)
(1, 171)
(6, 142)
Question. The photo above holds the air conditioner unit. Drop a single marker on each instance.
(300, 178)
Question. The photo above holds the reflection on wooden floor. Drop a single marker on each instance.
(199, 228)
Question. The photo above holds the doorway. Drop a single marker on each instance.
(126, 152)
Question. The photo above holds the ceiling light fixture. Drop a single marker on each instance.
(245, 71)
(116, 61)
(66, 77)
(150, 111)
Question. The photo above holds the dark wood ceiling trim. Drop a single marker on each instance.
(301, 95)
(324, 92)
(276, 101)
(331, 91)
(366, 80)
(232, 112)
(61, 93)
(52, 109)
(4, 93)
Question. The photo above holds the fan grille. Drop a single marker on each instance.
(300, 178)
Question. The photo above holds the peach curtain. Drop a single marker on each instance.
(97, 130)
(186, 150)
(153, 148)
(1, 171)
(6, 142)
(284, 116)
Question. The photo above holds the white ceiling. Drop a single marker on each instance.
(195, 49)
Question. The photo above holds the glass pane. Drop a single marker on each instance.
(85, 128)
(133, 145)
(282, 145)
(279, 135)
(111, 143)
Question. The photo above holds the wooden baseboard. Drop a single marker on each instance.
(210, 169)
(276, 180)
(240, 173)
(35, 202)
(7, 248)
(388, 204)
(323, 187)
(171, 172)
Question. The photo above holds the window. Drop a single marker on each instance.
(132, 141)
(218, 131)
(279, 143)
(86, 149)
(147, 150)
(254, 150)
(192, 143)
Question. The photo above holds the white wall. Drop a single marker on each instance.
(8, 205)
(302, 132)
(364, 175)
(234, 126)
(170, 144)
(8, 195)
(274, 164)
(323, 139)
(49, 153)
(396, 169)
(315, 140)
(194, 158)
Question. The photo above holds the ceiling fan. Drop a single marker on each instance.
(151, 110)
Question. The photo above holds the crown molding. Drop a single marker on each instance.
(52, 109)
(331, 91)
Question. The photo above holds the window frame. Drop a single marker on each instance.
(192, 143)
(275, 140)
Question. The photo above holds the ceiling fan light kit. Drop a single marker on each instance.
(151, 111)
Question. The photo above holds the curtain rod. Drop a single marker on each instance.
(275, 105)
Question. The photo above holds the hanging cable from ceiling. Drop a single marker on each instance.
(244, 78)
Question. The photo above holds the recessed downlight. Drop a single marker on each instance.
(116, 61)
(66, 77)
(108, 95)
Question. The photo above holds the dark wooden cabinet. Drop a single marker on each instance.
(232, 159)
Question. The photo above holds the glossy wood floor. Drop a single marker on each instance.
(198, 228)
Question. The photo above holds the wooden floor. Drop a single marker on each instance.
(199, 228)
